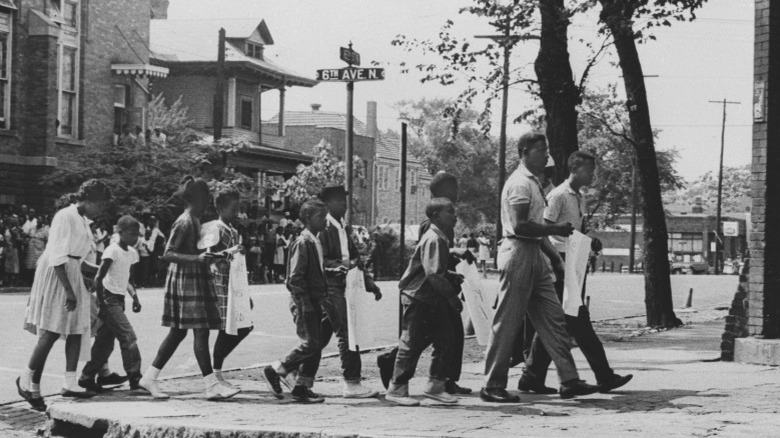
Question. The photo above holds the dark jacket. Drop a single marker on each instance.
(304, 274)
(331, 247)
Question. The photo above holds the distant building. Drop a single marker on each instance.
(377, 183)
(189, 50)
(71, 73)
(691, 236)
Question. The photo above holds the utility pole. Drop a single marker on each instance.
(402, 245)
(219, 94)
(718, 240)
(507, 41)
(348, 150)
(632, 250)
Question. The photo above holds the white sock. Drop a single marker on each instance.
(25, 380)
(35, 389)
(105, 371)
(218, 375)
(210, 380)
(70, 383)
(279, 368)
(151, 373)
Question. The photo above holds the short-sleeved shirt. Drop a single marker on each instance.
(522, 187)
(118, 276)
(564, 204)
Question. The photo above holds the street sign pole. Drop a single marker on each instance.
(348, 151)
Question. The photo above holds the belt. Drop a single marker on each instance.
(74, 257)
(525, 239)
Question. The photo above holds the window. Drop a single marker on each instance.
(246, 114)
(383, 178)
(254, 50)
(5, 71)
(120, 96)
(65, 12)
(397, 178)
(68, 91)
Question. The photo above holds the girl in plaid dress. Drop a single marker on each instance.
(226, 202)
(190, 301)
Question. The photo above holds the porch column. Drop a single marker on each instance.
(260, 114)
(281, 111)
(231, 103)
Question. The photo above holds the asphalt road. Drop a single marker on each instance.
(612, 296)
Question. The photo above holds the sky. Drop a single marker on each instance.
(708, 59)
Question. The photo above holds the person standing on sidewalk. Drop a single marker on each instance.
(484, 252)
(566, 204)
(59, 303)
(429, 295)
(526, 281)
(111, 283)
(190, 301)
(341, 255)
(308, 286)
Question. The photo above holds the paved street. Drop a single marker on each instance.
(613, 296)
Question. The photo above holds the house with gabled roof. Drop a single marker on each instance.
(377, 179)
(189, 49)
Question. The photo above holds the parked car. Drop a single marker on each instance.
(694, 268)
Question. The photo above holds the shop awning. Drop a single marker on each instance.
(140, 70)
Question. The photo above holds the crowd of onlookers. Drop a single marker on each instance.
(23, 236)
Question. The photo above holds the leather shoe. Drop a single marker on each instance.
(576, 387)
(528, 384)
(497, 395)
(453, 388)
(616, 382)
(386, 364)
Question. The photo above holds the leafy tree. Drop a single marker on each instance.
(736, 189)
(602, 131)
(467, 154)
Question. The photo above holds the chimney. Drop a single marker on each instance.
(697, 208)
(159, 9)
(371, 127)
(315, 107)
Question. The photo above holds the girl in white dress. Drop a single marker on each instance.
(59, 304)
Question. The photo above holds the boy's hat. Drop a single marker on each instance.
(332, 188)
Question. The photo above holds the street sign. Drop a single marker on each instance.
(351, 74)
(350, 56)
(731, 229)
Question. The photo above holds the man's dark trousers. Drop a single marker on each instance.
(581, 329)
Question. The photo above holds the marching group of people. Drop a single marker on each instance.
(319, 259)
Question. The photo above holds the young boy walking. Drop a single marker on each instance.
(307, 285)
(112, 280)
(429, 297)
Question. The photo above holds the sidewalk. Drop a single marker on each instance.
(676, 391)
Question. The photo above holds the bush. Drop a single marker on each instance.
(384, 252)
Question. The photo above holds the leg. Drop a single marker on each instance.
(38, 358)
(516, 276)
(454, 365)
(102, 348)
(200, 345)
(305, 357)
(168, 347)
(413, 341)
(120, 326)
(538, 361)
(442, 327)
(335, 307)
(581, 328)
(72, 350)
(226, 343)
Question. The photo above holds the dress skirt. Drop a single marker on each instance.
(46, 305)
(190, 299)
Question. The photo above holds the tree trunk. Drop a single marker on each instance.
(556, 85)
(617, 14)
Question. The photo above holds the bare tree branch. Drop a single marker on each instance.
(594, 60)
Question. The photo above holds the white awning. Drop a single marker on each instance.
(142, 70)
(7, 4)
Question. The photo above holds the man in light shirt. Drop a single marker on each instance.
(566, 204)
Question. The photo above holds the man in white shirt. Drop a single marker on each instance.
(30, 224)
(566, 204)
(159, 138)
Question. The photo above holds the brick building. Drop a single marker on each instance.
(189, 51)
(763, 295)
(377, 180)
(70, 72)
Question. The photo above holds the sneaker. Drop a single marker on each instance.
(222, 380)
(112, 379)
(134, 382)
(272, 381)
(441, 397)
(576, 387)
(528, 384)
(302, 394)
(497, 395)
(90, 385)
(616, 382)
(356, 390)
(402, 400)
(220, 391)
(452, 387)
(77, 394)
(151, 387)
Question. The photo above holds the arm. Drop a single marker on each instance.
(105, 264)
(434, 262)
(332, 265)
(62, 275)
(299, 260)
(524, 227)
(180, 232)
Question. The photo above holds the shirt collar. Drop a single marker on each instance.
(439, 232)
(333, 221)
(569, 189)
(308, 234)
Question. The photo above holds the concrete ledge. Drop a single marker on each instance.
(22, 160)
(757, 351)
